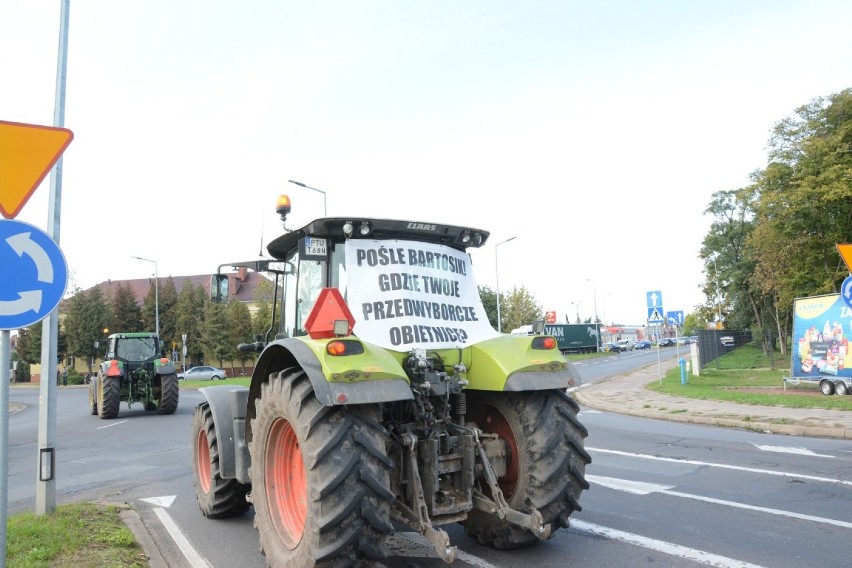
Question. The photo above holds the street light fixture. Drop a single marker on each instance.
(578, 309)
(497, 274)
(324, 204)
(156, 293)
(595, 301)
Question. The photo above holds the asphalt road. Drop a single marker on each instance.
(662, 493)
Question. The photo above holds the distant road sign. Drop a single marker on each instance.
(655, 299)
(27, 152)
(655, 315)
(674, 318)
(35, 274)
(550, 317)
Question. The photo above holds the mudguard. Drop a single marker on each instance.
(510, 363)
(228, 407)
(164, 366)
(371, 377)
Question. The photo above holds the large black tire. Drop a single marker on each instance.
(217, 497)
(320, 477)
(93, 398)
(109, 396)
(547, 460)
(169, 394)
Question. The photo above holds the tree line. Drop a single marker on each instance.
(213, 330)
(775, 239)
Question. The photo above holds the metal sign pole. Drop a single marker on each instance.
(46, 488)
(5, 363)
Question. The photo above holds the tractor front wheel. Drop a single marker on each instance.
(217, 497)
(109, 396)
(546, 460)
(320, 477)
(169, 394)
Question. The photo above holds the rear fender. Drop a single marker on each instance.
(509, 363)
(372, 377)
(164, 366)
(228, 406)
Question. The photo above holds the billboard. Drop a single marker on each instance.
(822, 326)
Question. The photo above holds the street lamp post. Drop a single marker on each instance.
(324, 204)
(156, 293)
(595, 302)
(497, 274)
(577, 304)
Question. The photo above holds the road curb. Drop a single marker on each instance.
(134, 522)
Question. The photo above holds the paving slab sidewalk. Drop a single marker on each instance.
(626, 394)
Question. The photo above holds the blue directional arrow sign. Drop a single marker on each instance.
(655, 299)
(674, 318)
(34, 274)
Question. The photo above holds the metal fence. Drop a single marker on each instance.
(712, 343)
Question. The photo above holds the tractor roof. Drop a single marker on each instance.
(333, 229)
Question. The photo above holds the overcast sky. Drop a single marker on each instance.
(593, 132)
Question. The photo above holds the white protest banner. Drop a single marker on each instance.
(407, 294)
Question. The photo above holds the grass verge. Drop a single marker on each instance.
(78, 534)
(746, 376)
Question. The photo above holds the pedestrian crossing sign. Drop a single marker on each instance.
(655, 315)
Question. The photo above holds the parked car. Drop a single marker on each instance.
(666, 342)
(693, 339)
(625, 345)
(642, 344)
(203, 373)
(608, 346)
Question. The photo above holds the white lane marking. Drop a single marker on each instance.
(422, 548)
(724, 466)
(790, 450)
(639, 488)
(111, 424)
(195, 560)
(165, 501)
(662, 546)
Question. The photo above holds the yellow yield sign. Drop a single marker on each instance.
(845, 251)
(27, 152)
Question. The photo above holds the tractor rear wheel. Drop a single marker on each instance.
(547, 460)
(169, 394)
(109, 396)
(217, 497)
(320, 477)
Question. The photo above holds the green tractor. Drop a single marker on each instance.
(134, 370)
(386, 396)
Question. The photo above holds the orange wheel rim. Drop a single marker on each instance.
(492, 421)
(202, 456)
(286, 483)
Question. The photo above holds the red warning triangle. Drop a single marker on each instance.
(330, 306)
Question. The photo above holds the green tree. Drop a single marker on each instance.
(264, 298)
(126, 313)
(489, 302)
(216, 338)
(239, 330)
(86, 316)
(168, 313)
(29, 344)
(190, 320)
(518, 308)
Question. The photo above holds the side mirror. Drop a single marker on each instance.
(219, 288)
